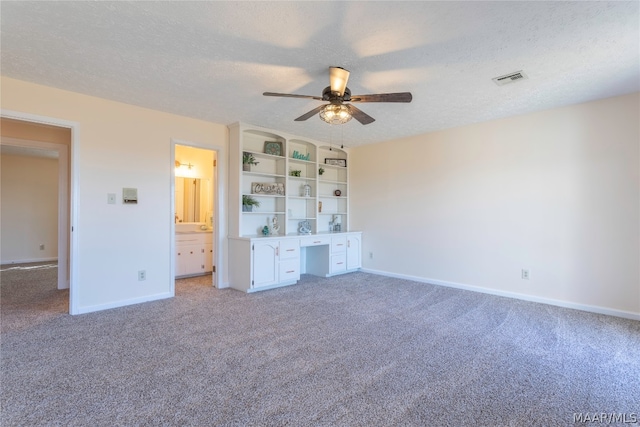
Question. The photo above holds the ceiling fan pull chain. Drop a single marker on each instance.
(330, 136)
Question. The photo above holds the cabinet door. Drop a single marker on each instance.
(354, 257)
(181, 264)
(193, 259)
(265, 263)
(208, 257)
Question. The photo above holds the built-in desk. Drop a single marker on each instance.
(265, 262)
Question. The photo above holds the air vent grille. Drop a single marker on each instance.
(509, 78)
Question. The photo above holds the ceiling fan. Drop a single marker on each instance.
(337, 93)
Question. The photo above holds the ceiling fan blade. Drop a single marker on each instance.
(383, 97)
(360, 115)
(309, 114)
(291, 95)
(338, 78)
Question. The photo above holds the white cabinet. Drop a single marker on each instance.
(295, 179)
(289, 260)
(194, 254)
(338, 254)
(273, 262)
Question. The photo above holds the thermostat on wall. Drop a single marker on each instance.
(129, 195)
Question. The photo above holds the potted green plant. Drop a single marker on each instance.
(248, 203)
(248, 159)
(320, 171)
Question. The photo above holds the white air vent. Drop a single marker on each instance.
(509, 78)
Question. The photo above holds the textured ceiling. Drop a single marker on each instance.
(213, 60)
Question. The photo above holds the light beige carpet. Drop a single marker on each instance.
(354, 350)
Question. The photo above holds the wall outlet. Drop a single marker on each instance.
(142, 275)
(526, 274)
(42, 247)
(370, 255)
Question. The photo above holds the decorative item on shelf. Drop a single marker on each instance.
(275, 227)
(267, 188)
(265, 230)
(273, 147)
(293, 172)
(320, 171)
(304, 227)
(336, 162)
(337, 224)
(248, 203)
(300, 156)
(337, 193)
(319, 206)
(248, 159)
(305, 190)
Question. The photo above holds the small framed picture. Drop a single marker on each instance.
(336, 162)
(273, 147)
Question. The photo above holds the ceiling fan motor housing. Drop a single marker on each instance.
(333, 97)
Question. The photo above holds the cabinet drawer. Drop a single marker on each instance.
(338, 263)
(289, 270)
(289, 249)
(338, 244)
(315, 240)
(190, 239)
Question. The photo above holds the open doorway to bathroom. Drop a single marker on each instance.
(194, 215)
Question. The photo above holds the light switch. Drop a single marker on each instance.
(111, 198)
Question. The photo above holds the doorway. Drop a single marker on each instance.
(41, 139)
(195, 204)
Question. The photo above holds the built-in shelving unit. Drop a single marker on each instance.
(294, 167)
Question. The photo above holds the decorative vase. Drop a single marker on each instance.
(246, 167)
(247, 208)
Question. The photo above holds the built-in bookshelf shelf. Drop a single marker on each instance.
(294, 169)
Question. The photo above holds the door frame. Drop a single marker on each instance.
(67, 195)
(218, 223)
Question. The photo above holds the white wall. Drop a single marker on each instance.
(118, 145)
(556, 192)
(29, 208)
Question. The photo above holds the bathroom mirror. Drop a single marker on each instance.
(192, 200)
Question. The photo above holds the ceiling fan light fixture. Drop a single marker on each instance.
(338, 78)
(335, 114)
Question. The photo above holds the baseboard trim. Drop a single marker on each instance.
(124, 303)
(29, 260)
(565, 304)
